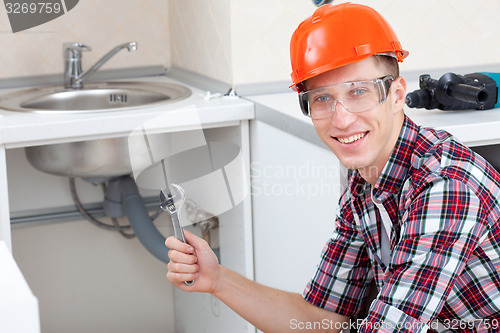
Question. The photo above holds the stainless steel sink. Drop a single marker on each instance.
(111, 157)
(94, 158)
(86, 159)
(94, 97)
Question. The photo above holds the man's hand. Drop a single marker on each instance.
(193, 260)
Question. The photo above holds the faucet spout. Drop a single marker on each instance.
(73, 76)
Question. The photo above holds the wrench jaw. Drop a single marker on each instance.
(168, 205)
(167, 198)
(167, 202)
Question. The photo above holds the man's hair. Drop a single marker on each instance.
(389, 63)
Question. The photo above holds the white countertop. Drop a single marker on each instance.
(20, 129)
(472, 127)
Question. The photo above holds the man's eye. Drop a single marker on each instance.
(358, 92)
(322, 98)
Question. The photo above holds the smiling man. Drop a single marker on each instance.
(362, 131)
(420, 216)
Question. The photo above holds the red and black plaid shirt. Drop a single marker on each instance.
(443, 203)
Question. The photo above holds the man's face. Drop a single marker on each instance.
(363, 140)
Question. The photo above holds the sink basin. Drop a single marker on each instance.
(113, 157)
(94, 97)
(86, 159)
(94, 158)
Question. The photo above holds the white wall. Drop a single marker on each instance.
(242, 41)
(100, 24)
(438, 34)
(235, 41)
(444, 33)
(201, 37)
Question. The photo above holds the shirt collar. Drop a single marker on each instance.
(396, 169)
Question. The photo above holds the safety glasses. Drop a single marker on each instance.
(355, 97)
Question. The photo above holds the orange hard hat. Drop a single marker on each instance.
(337, 35)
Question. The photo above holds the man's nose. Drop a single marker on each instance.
(341, 116)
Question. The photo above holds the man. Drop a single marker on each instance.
(420, 214)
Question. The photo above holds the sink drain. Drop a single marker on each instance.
(118, 98)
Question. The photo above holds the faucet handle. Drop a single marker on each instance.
(73, 50)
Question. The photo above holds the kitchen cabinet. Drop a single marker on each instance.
(295, 189)
(98, 256)
(296, 184)
(18, 305)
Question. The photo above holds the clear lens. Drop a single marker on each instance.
(354, 96)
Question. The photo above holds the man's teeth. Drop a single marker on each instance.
(351, 139)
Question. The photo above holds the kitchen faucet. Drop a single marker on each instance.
(72, 52)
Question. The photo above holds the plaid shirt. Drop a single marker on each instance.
(444, 263)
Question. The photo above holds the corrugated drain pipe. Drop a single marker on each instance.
(139, 219)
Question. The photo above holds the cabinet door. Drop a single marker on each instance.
(195, 312)
(296, 186)
(18, 305)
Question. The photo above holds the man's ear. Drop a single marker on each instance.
(398, 91)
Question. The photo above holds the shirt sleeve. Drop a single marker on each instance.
(441, 229)
(343, 275)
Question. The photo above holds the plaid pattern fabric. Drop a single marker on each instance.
(442, 200)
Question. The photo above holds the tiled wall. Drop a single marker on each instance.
(201, 37)
(261, 33)
(243, 41)
(235, 41)
(445, 33)
(102, 24)
(438, 34)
